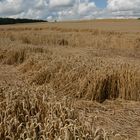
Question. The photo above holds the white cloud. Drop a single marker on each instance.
(68, 9)
(41, 4)
(61, 3)
(124, 8)
(122, 5)
(86, 8)
(10, 7)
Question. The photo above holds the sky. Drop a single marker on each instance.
(69, 9)
(100, 3)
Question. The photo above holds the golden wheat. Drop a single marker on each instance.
(54, 77)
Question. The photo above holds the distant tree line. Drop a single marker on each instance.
(4, 21)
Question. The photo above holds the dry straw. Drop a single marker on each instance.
(58, 67)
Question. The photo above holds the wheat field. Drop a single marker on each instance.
(75, 80)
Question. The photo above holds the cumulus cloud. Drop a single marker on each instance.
(61, 3)
(124, 8)
(10, 7)
(123, 5)
(86, 7)
(68, 9)
(80, 10)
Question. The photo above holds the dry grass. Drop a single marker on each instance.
(60, 72)
(15, 56)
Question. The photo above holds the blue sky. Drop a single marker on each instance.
(70, 9)
(100, 3)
